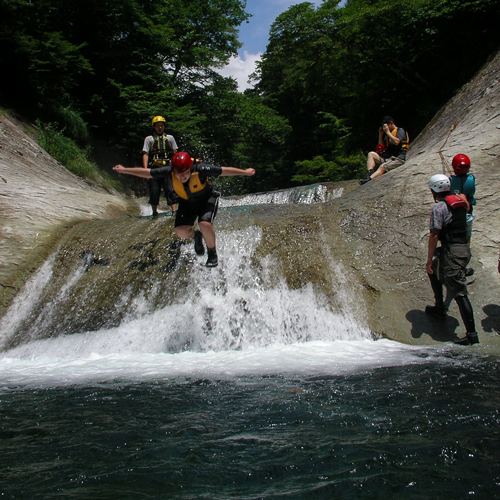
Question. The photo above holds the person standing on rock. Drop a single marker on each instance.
(390, 152)
(446, 265)
(156, 153)
(197, 197)
(464, 183)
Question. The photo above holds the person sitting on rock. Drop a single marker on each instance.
(390, 152)
(197, 197)
(446, 265)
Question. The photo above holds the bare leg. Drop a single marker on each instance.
(380, 171)
(373, 160)
(208, 232)
(185, 232)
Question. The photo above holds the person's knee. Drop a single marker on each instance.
(205, 225)
(373, 158)
(183, 231)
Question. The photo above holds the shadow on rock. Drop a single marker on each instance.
(440, 330)
(492, 322)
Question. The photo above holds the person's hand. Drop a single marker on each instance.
(250, 171)
(428, 267)
(119, 168)
(386, 128)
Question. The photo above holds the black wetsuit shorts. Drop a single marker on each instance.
(203, 210)
(155, 186)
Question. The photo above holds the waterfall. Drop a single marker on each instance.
(242, 304)
(315, 193)
(155, 310)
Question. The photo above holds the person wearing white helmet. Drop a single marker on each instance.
(446, 265)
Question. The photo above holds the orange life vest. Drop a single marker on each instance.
(195, 187)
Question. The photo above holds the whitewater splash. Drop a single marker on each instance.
(316, 193)
(238, 305)
(240, 319)
(307, 195)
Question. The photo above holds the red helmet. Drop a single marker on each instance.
(460, 164)
(181, 162)
(380, 149)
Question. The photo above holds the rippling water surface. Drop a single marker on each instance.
(429, 428)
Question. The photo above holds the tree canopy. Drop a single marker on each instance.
(101, 70)
(371, 58)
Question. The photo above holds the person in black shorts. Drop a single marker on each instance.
(157, 150)
(197, 197)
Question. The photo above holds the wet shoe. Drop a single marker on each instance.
(469, 271)
(469, 339)
(364, 181)
(439, 312)
(212, 260)
(199, 248)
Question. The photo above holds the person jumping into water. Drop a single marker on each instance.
(197, 197)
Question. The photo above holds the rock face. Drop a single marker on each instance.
(39, 200)
(378, 231)
(385, 222)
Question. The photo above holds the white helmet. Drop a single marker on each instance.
(439, 183)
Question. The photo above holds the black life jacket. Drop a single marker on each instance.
(160, 151)
(404, 143)
(456, 231)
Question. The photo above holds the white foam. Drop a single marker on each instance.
(234, 320)
(316, 193)
(26, 300)
(46, 368)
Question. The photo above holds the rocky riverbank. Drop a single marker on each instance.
(385, 222)
(39, 201)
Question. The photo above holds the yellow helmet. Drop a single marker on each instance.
(158, 119)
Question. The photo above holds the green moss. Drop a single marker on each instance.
(74, 158)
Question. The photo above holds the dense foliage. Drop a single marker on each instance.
(335, 72)
(99, 70)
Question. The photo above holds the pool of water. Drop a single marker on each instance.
(408, 422)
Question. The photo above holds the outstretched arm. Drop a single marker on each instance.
(231, 171)
(137, 171)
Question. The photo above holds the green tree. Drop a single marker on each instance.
(243, 132)
(352, 65)
(107, 59)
